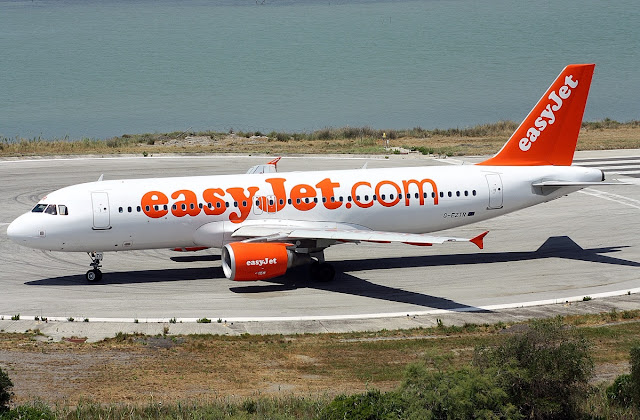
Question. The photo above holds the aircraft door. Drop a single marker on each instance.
(100, 203)
(267, 204)
(258, 205)
(495, 191)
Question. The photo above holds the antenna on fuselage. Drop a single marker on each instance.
(101, 176)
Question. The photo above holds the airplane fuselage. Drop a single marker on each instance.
(204, 211)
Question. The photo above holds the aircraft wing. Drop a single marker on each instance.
(344, 233)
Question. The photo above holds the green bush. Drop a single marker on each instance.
(621, 391)
(468, 393)
(32, 411)
(545, 370)
(625, 390)
(372, 405)
(5, 391)
(635, 373)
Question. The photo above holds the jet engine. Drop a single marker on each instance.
(250, 261)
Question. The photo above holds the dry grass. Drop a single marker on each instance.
(137, 369)
(479, 140)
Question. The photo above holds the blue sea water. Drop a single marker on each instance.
(99, 68)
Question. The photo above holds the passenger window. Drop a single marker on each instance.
(449, 193)
(473, 192)
(120, 210)
(129, 209)
(457, 193)
(466, 193)
(138, 209)
(441, 194)
(62, 209)
(39, 208)
(51, 209)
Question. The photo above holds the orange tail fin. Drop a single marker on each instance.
(549, 134)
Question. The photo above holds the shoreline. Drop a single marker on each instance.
(483, 139)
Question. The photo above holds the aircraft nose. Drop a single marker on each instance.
(19, 231)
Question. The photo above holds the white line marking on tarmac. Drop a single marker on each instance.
(620, 199)
(349, 317)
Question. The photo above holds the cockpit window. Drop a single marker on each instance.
(62, 209)
(51, 209)
(39, 208)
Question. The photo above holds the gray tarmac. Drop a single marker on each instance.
(537, 262)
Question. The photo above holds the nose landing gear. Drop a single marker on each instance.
(94, 274)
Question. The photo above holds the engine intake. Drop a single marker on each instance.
(251, 261)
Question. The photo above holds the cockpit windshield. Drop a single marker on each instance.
(39, 208)
(51, 209)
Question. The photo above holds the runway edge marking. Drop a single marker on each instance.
(553, 301)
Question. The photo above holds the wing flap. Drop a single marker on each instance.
(346, 234)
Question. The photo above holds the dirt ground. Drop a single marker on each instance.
(140, 369)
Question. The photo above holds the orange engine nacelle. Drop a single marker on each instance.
(250, 261)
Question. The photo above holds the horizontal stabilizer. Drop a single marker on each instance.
(578, 184)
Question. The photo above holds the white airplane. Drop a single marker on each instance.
(266, 222)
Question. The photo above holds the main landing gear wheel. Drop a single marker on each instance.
(322, 272)
(94, 274)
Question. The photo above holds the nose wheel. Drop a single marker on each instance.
(94, 274)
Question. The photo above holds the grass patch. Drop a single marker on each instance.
(481, 139)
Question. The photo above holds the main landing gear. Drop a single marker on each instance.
(94, 274)
(319, 270)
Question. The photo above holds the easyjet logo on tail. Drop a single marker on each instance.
(548, 116)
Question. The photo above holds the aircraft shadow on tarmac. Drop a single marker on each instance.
(554, 247)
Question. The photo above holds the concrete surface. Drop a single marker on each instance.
(585, 244)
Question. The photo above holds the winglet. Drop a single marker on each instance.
(548, 135)
(478, 240)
